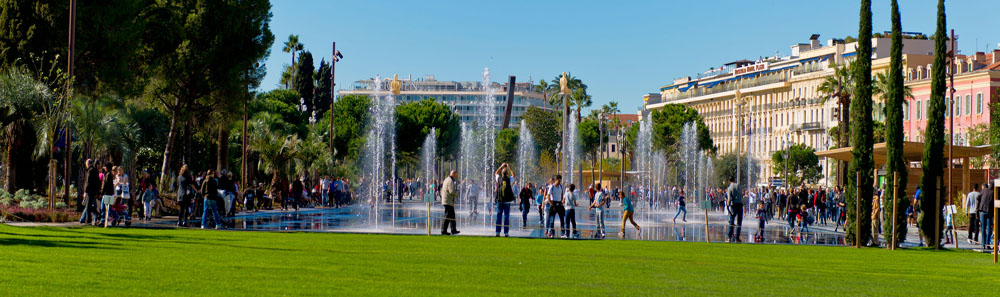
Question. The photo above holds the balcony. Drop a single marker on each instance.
(725, 87)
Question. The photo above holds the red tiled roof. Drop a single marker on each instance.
(994, 66)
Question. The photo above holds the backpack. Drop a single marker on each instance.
(504, 191)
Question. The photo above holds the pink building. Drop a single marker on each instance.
(977, 85)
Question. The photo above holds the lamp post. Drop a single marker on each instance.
(739, 127)
(333, 93)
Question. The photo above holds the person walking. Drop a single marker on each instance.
(681, 207)
(628, 214)
(210, 194)
(92, 192)
(147, 192)
(524, 205)
(735, 201)
(971, 203)
(185, 195)
(554, 199)
(599, 202)
(504, 196)
(448, 201)
(108, 193)
(985, 206)
(570, 200)
(540, 201)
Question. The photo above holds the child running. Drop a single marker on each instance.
(629, 209)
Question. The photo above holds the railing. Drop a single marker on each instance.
(808, 69)
(728, 86)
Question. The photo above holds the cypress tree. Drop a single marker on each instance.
(862, 160)
(895, 163)
(933, 158)
(304, 80)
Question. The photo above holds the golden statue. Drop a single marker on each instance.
(564, 85)
(395, 85)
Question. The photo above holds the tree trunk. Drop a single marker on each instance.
(164, 170)
(187, 141)
(223, 149)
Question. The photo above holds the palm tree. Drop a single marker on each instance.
(881, 88)
(270, 137)
(839, 85)
(20, 98)
(547, 90)
(293, 46)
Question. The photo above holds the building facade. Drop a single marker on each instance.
(759, 107)
(463, 97)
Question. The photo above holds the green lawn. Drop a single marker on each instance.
(143, 262)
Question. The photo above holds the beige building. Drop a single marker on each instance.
(778, 98)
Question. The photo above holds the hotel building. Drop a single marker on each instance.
(461, 96)
(783, 105)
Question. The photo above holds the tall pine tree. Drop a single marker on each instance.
(933, 159)
(322, 98)
(862, 160)
(304, 80)
(895, 163)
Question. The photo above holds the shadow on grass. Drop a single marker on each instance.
(53, 243)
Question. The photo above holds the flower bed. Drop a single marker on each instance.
(44, 215)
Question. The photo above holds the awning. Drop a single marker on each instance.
(688, 86)
(712, 84)
(849, 54)
(912, 152)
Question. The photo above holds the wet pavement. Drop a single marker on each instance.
(412, 218)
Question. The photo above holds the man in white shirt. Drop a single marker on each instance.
(554, 199)
(971, 203)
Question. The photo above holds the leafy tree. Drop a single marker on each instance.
(213, 56)
(932, 161)
(590, 139)
(350, 118)
(111, 43)
(803, 164)
(323, 88)
(304, 81)
(895, 94)
(414, 121)
(283, 103)
(725, 167)
(862, 160)
(668, 123)
(506, 146)
(545, 126)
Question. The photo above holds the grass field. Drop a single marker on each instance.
(145, 262)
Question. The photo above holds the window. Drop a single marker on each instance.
(906, 110)
(958, 106)
(979, 103)
(919, 109)
(947, 107)
(968, 104)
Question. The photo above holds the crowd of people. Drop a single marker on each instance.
(213, 196)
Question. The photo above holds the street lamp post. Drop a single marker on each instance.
(333, 93)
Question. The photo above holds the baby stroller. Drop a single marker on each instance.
(115, 213)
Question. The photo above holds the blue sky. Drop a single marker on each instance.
(620, 49)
